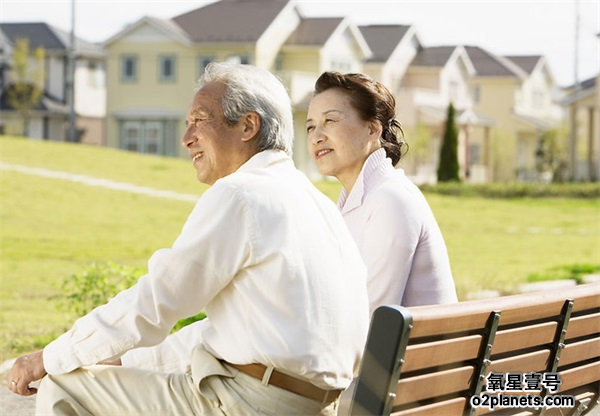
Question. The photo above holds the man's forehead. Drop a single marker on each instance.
(207, 98)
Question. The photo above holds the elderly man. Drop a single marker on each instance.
(264, 253)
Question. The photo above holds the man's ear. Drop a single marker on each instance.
(251, 126)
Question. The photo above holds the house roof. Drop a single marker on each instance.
(526, 62)
(48, 37)
(314, 31)
(230, 20)
(436, 56)
(487, 64)
(383, 39)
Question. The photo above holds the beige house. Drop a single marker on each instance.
(153, 64)
(436, 77)
(583, 120)
(520, 95)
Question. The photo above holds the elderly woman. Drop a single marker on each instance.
(353, 135)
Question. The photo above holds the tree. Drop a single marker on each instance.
(28, 80)
(448, 167)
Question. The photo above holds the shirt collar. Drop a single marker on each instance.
(374, 166)
(264, 159)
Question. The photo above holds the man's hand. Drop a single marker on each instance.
(25, 370)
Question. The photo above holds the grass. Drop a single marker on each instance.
(51, 229)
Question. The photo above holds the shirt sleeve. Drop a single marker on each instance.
(173, 355)
(214, 244)
(390, 238)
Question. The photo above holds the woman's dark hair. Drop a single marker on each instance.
(373, 101)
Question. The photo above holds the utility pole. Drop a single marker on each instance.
(574, 133)
(71, 78)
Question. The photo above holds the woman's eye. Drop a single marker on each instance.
(309, 128)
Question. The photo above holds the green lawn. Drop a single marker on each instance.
(53, 228)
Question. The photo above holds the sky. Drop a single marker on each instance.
(505, 27)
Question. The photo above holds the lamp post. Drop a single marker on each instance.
(71, 78)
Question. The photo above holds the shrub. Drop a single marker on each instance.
(572, 271)
(589, 190)
(98, 283)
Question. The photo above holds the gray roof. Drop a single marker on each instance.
(48, 37)
(487, 64)
(230, 20)
(314, 31)
(383, 39)
(436, 56)
(526, 63)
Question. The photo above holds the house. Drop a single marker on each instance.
(394, 47)
(153, 64)
(49, 119)
(436, 77)
(582, 106)
(519, 94)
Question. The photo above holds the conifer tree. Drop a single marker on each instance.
(448, 166)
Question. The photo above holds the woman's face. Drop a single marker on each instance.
(339, 141)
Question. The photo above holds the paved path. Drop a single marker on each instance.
(99, 182)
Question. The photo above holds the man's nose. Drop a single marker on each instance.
(188, 137)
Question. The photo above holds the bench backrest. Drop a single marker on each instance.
(430, 360)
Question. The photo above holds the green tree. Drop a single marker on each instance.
(28, 80)
(448, 167)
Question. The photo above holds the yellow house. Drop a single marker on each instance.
(583, 120)
(519, 94)
(153, 64)
(436, 77)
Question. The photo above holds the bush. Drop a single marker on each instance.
(98, 283)
(572, 271)
(590, 190)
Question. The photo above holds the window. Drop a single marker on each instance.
(132, 132)
(96, 75)
(476, 91)
(538, 99)
(239, 59)
(474, 154)
(166, 68)
(203, 62)
(129, 68)
(143, 136)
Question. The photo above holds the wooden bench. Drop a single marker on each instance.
(430, 360)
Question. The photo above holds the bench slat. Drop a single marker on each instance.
(435, 354)
(450, 407)
(580, 351)
(584, 325)
(524, 337)
(425, 387)
(536, 361)
(580, 376)
(473, 315)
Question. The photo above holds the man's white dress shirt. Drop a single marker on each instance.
(397, 236)
(270, 260)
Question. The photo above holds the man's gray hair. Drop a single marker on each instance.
(252, 89)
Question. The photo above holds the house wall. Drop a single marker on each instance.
(90, 91)
(272, 40)
(148, 94)
(55, 76)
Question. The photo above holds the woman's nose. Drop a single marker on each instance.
(316, 136)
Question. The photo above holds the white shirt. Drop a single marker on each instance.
(270, 260)
(397, 236)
